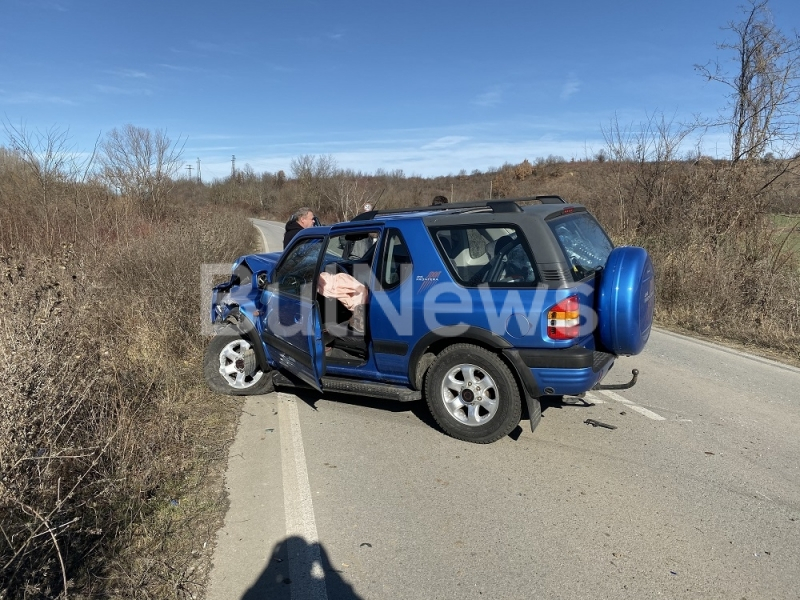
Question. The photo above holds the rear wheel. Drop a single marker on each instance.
(472, 394)
(231, 366)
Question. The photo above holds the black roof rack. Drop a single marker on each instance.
(506, 205)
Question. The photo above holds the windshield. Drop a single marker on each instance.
(583, 241)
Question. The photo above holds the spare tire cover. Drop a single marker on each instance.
(626, 300)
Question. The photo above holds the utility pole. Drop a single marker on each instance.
(199, 179)
(233, 166)
(189, 168)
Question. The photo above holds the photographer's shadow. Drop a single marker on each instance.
(298, 570)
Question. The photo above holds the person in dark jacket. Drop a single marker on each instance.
(302, 218)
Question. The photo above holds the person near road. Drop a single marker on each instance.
(301, 219)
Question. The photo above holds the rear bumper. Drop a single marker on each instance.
(564, 372)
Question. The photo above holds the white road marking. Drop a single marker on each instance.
(617, 398)
(305, 563)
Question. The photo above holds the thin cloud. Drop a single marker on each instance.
(129, 74)
(35, 98)
(279, 68)
(315, 41)
(181, 68)
(214, 136)
(214, 48)
(492, 98)
(571, 87)
(413, 161)
(445, 142)
(120, 91)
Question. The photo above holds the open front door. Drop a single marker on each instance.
(292, 325)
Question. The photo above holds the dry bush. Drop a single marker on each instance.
(53, 432)
(110, 445)
(523, 170)
(722, 268)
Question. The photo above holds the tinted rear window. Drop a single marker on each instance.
(583, 241)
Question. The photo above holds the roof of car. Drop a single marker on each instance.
(545, 203)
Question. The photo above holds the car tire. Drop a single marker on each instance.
(230, 366)
(472, 394)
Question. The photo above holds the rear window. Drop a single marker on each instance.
(583, 241)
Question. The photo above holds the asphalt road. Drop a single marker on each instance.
(695, 494)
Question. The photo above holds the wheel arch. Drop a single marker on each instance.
(433, 342)
(447, 381)
(247, 329)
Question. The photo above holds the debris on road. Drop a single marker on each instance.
(596, 423)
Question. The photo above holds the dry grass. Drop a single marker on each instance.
(111, 448)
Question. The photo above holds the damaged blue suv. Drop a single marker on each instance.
(474, 307)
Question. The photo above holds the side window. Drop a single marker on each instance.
(397, 264)
(352, 247)
(498, 255)
(295, 275)
(351, 253)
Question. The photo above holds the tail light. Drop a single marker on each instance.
(563, 319)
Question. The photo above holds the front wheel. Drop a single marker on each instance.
(231, 366)
(472, 394)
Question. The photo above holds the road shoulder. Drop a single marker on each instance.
(255, 521)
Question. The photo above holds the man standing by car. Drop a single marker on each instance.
(302, 218)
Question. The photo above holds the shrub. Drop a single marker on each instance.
(107, 433)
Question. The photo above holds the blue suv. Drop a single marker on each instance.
(473, 307)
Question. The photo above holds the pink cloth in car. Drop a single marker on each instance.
(345, 288)
(349, 291)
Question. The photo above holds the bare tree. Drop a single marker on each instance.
(51, 166)
(314, 176)
(646, 158)
(142, 164)
(350, 192)
(764, 85)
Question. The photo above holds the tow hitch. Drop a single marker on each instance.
(619, 386)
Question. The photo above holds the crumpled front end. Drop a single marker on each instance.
(241, 291)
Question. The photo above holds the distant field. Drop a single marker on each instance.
(789, 225)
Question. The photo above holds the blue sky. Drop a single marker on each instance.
(429, 87)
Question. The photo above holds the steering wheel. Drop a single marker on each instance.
(493, 272)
